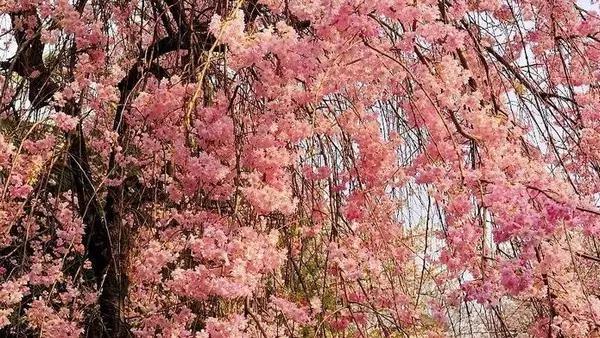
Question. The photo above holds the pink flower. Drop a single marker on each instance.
(290, 310)
(65, 122)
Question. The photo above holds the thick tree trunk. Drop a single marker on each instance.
(103, 240)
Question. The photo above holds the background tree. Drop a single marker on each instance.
(274, 168)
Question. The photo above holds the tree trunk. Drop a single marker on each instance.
(103, 241)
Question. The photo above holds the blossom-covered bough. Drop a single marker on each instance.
(287, 168)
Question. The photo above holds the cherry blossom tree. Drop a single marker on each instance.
(299, 168)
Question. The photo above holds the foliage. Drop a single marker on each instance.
(330, 168)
